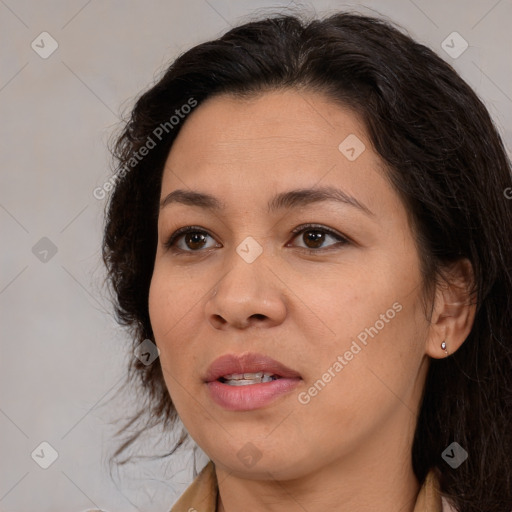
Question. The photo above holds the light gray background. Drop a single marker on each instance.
(62, 354)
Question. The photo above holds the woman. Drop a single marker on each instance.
(310, 221)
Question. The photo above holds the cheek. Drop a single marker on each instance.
(173, 298)
(161, 309)
(165, 312)
(354, 387)
(340, 304)
(174, 304)
(374, 320)
(168, 304)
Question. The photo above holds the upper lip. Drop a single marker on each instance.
(247, 363)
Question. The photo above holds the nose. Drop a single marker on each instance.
(247, 295)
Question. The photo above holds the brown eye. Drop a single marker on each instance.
(195, 240)
(315, 237)
(189, 239)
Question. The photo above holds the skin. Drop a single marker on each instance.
(349, 447)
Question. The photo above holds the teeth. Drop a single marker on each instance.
(238, 376)
(244, 379)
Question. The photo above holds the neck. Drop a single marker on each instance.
(386, 483)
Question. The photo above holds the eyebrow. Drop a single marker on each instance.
(290, 199)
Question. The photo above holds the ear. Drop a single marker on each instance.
(454, 310)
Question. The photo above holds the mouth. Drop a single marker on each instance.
(246, 369)
(248, 381)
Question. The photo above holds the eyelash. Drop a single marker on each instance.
(342, 240)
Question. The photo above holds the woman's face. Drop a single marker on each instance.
(338, 303)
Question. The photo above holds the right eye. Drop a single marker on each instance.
(188, 239)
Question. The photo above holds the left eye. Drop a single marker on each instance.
(314, 237)
(192, 239)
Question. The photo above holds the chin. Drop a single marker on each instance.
(250, 464)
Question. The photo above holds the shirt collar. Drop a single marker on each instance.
(201, 494)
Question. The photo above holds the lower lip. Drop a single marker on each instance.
(250, 396)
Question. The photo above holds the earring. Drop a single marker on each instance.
(443, 347)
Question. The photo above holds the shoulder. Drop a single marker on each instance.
(201, 494)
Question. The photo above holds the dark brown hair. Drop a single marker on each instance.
(444, 157)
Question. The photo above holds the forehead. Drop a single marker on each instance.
(247, 149)
(270, 124)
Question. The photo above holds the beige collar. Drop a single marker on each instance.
(201, 495)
